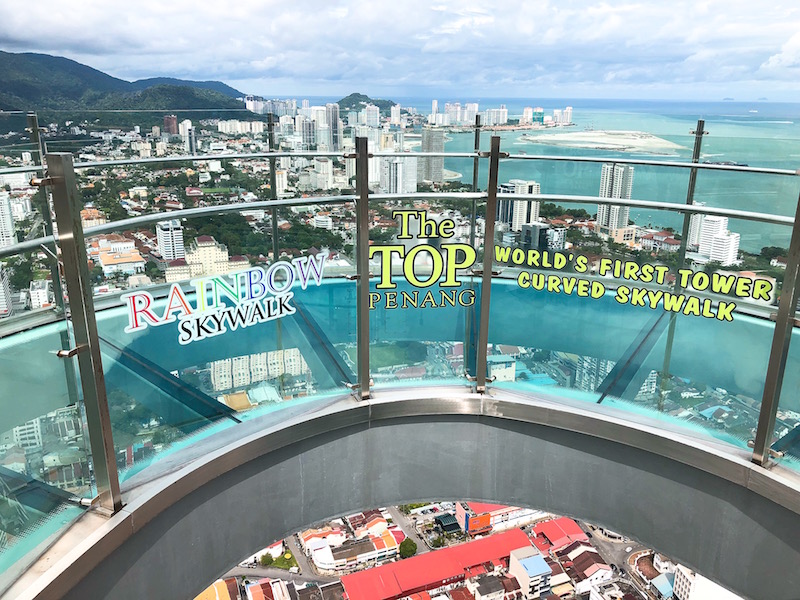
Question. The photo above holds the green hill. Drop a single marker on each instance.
(214, 86)
(356, 101)
(40, 82)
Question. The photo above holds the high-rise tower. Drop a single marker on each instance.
(616, 181)
(431, 168)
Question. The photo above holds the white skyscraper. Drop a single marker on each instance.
(281, 182)
(616, 181)
(695, 225)
(169, 235)
(524, 212)
(184, 127)
(323, 172)
(8, 236)
(372, 116)
(434, 107)
(716, 242)
(527, 116)
(399, 175)
(725, 248)
(395, 115)
(6, 307)
(710, 227)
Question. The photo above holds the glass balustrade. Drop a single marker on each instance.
(255, 311)
(45, 456)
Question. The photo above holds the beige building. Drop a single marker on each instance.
(205, 256)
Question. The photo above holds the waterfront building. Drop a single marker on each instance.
(527, 116)
(496, 116)
(516, 213)
(616, 181)
(695, 225)
(717, 244)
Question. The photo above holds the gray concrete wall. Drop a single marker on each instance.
(729, 533)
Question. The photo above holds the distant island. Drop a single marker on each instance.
(619, 141)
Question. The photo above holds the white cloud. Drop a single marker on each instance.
(274, 47)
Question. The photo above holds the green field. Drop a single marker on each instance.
(392, 354)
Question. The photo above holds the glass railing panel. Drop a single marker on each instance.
(45, 458)
(599, 328)
(786, 434)
(422, 315)
(181, 363)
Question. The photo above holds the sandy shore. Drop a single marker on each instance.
(621, 141)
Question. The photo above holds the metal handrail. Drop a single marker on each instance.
(344, 155)
(733, 213)
(656, 163)
(187, 213)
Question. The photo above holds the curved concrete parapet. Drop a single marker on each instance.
(701, 503)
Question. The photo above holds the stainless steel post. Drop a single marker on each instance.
(699, 132)
(469, 320)
(780, 348)
(362, 265)
(43, 204)
(61, 176)
(273, 192)
(488, 255)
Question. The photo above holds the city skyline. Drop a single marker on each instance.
(582, 49)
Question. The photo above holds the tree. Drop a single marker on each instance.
(407, 548)
(266, 560)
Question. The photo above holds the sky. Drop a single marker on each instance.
(662, 49)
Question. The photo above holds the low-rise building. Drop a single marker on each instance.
(531, 571)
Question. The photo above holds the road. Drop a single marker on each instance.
(614, 552)
(408, 528)
(275, 573)
(306, 568)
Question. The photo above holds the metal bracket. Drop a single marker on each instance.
(470, 377)
(485, 154)
(356, 276)
(479, 273)
(72, 351)
(772, 453)
(355, 155)
(694, 132)
(795, 321)
(42, 181)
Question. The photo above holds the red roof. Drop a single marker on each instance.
(485, 507)
(560, 532)
(461, 594)
(429, 570)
